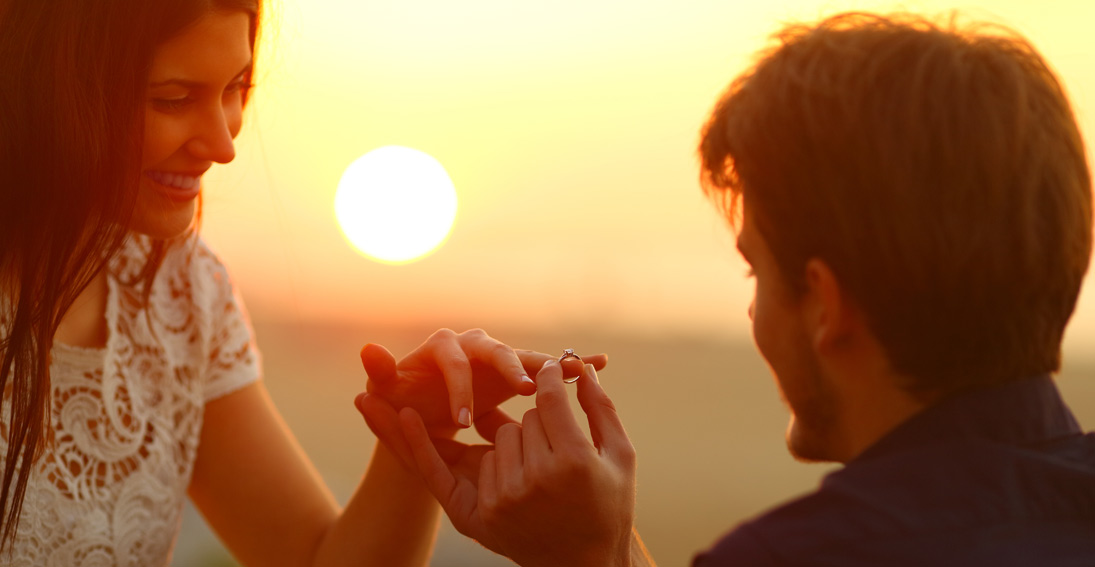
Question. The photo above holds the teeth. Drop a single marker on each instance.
(175, 180)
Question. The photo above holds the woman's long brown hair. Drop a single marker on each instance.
(72, 99)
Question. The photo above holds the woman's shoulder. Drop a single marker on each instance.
(188, 256)
(204, 262)
(206, 274)
(186, 270)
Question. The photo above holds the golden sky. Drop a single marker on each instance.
(568, 128)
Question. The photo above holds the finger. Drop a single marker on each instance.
(384, 422)
(554, 407)
(533, 361)
(535, 441)
(509, 460)
(604, 422)
(599, 361)
(488, 481)
(501, 357)
(466, 467)
(450, 358)
(487, 424)
(379, 364)
(429, 464)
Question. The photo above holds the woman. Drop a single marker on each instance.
(129, 373)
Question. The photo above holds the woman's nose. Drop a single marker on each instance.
(216, 139)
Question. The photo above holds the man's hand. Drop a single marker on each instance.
(545, 496)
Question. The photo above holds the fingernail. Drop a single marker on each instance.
(593, 373)
(357, 400)
(465, 417)
(525, 378)
(547, 362)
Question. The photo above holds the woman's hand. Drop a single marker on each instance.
(545, 495)
(452, 379)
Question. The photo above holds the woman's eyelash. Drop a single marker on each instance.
(750, 273)
(171, 103)
(168, 104)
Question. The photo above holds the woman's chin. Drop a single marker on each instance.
(164, 223)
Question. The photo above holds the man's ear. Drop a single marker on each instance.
(828, 314)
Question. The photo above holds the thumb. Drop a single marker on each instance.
(604, 422)
(379, 364)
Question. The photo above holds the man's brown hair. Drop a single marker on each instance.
(938, 172)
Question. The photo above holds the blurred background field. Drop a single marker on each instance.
(569, 130)
(704, 416)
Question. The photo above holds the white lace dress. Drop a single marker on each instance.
(126, 419)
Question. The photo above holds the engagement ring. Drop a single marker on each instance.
(569, 353)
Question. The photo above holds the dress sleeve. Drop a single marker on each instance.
(233, 359)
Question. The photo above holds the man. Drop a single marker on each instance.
(916, 206)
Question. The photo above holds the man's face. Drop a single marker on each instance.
(783, 340)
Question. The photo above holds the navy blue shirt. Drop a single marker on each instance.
(1002, 476)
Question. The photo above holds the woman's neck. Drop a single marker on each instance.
(84, 324)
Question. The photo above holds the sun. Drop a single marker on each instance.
(395, 204)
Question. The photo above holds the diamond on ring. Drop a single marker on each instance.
(569, 353)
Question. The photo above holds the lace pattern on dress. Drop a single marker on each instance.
(126, 419)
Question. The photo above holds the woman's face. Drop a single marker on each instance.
(192, 114)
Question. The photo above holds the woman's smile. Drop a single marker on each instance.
(174, 185)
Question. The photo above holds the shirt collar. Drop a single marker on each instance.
(1020, 412)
